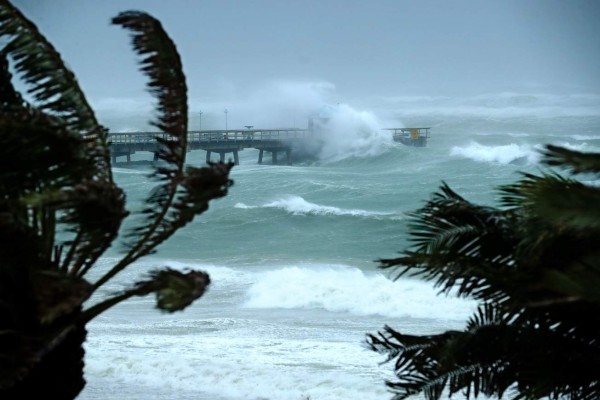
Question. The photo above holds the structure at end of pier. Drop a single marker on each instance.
(415, 137)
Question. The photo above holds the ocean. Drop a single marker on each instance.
(292, 254)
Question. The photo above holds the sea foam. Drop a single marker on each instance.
(348, 289)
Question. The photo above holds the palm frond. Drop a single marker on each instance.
(534, 265)
(97, 209)
(162, 64)
(576, 161)
(180, 194)
(27, 165)
(557, 200)
(58, 295)
(415, 369)
(53, 85)
(449, 220)
(488, 313)
(175, 290)
(38, 159)
(577, 280)
(9, 97)
(489, 358)
(458, 245)
(52, 146)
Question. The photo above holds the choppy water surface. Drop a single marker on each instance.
(291, 255)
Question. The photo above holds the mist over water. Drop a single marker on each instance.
(348, 130)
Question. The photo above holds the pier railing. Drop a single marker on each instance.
(214, 141)
(211, 135)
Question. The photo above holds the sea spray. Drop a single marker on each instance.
(347, 132)
(343, 130)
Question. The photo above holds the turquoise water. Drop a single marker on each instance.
(292, 256)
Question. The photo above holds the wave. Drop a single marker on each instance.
(510, 134)
(348, 289)
(129, 171)
(585, 137)
(502, 154)
(297, 205)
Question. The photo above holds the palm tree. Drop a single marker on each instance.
(533, 264)
(60, 208)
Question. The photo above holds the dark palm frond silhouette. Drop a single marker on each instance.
(533, 264)
(60, 208)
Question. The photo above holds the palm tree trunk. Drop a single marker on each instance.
(59, 373)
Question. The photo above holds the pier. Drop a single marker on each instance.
(287, 142)
(221, 142)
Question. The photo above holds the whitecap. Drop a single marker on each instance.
(297, 205)
(348, 289)
(502, 154)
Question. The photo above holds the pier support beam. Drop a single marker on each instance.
(288, 155)
(274, 157)
(260, 155)
(236, 155)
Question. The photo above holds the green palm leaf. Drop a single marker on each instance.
(458, 245)
(175, 290)
(576, 161)
(534, 266)
(556, 200)
(180, 193)
(55, 177)
(60, 143)
(53, 85)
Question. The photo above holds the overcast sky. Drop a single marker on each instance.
(354, 49)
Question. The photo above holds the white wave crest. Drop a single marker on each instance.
(244, 206)
(586, 137)
(502, 154)
(347, 289)
(297, 205)
(128, 171)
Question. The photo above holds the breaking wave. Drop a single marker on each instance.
(297, 205)
(348, 289)
(502, 154)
